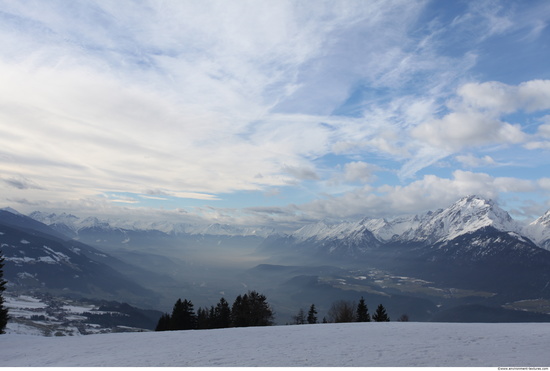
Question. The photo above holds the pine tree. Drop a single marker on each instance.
(239, 311)
(362, 312)
(163, 323)
(380, 315)
(222, 314)
(312, 315)
(251, 309)
(3, 310)
(300, 318)
(203, 319)
(183, 316)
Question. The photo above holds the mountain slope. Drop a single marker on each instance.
(539, 231)
(472, 245)
(38, 260)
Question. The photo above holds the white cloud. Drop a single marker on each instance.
(459, 130)
(500, 98)
(471, 160)
(196, 99)
(359, 171)
(429, 193)
(117, 96)
(544, 129)
(544, 183)
(537, 145)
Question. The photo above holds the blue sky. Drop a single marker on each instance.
(275, 113)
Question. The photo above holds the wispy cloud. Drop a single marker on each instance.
(161, 100)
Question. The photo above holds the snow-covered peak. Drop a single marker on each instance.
(76, 224)
(323, 231)
(539, 230)
(464, 216)
(69, 220)
(385, 230)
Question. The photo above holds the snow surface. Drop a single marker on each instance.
(406, 344)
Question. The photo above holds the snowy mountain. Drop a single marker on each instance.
(73, 225)
(465, 216)
(472, 244)
(37, 257)
(539, 231)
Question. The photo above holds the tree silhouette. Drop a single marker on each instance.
(312, 315)
(222, 314)
(300, 318)
(362, 312)
(163, 323)
(341, 311)
(251, 309)
(3, 310)
(380, 315)
(183, 316)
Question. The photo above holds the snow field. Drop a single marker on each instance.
(406, 344)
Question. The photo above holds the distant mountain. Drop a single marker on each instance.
(471, 244)
(539, 231)
(37, 257)
(465, 216)
(74, 226)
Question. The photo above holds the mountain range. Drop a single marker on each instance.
(464, 216)
(470, 253)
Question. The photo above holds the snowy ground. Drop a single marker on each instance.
(352, 344)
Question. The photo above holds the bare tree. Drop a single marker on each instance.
(403, 318)
(341, 311)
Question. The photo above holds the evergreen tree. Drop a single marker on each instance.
(312, 315)
(300, 318)
(261, 313)
(3, 310)
(362, 312)
(163, 323)
(239, 311)
(203, 319)
(251, 309)
(183, 316)
(222, 314)
(380, 315)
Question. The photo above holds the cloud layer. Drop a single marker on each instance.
(336, 109)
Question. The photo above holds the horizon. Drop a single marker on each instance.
(141, 222)
(273, 114)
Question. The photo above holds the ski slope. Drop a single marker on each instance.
(351, 344)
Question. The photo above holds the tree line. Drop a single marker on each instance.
(344, 311)
(250, 309)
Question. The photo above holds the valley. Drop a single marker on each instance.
(425, 266)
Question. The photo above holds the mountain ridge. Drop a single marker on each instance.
(465, 215)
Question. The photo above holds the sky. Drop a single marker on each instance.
(273, 112)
